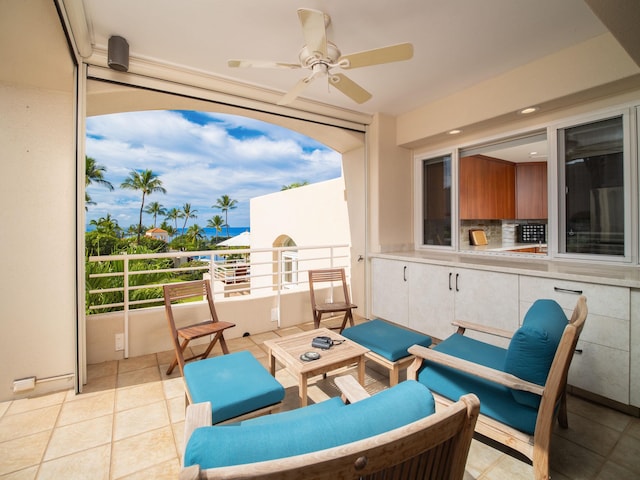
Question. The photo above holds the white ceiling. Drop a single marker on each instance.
(457, 43)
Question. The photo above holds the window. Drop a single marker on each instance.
(592, 171)
(289, 269)
(436, 195)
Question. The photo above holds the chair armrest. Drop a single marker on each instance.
(190, 473)
(490, 374)
(499, 332)
(352, 391)
(198, 415)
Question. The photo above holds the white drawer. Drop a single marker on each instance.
(598, 329)
(605, 300)
(601, 370)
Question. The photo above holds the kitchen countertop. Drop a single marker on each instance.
(501, 247)
(533, 265)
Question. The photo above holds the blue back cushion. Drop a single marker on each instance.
(308, 429)
(533, 347)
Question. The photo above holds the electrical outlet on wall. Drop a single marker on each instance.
(119, 341)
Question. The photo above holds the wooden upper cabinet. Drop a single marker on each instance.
(531, 191)
(487, 188)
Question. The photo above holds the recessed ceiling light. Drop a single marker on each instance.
(454, 132)
(526, 111)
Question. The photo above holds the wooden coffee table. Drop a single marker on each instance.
(287, 351)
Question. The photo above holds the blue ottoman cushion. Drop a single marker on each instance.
(235, 384)
(308, 429)
(496, 401)
(385, 339)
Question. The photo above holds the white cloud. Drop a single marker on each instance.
(198, 161)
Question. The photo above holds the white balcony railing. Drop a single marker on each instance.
(121, 283)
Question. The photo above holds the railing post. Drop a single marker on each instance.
(278, 284)
(126, 304)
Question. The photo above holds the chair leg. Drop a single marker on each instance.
(183, 346)
(217, 337)
(347, 316)
(223, 344)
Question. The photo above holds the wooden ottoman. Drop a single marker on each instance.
(387, 344)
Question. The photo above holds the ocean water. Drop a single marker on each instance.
(233, 231)
(208, 232)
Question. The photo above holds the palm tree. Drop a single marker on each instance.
(217, 222)
(294, 185)
(187, 213)
(147, 182)
(155, 209)
(195, 233)
(174, 214)
(225, 203)
(107, 225)
(168, 228)
(94, 173)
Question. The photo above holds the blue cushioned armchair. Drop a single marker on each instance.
(521, 388)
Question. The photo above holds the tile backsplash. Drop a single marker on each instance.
(492, 229)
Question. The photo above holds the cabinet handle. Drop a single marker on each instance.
(450, 274)
(578, 351)
(567, 290)
(404, 273)
(457, 275)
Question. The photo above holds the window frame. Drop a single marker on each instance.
(419, 204)
(630, 113)
(631, 224)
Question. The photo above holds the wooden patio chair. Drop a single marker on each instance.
(181, 336)
(236, 385)
(515, 411)
(321, 289)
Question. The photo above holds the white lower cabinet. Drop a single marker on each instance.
(427, 298)
(390, 290)
(601, 364)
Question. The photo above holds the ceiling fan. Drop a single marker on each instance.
(321, 56)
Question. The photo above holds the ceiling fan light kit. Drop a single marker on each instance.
(320, 56)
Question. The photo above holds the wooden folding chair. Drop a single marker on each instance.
(322, 302)
(183, 335)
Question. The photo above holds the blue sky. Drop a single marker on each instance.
(199, 157)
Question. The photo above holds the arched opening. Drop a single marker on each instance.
(105, 98)
(285, 262)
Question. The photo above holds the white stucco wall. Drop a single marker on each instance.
(38, 194)
(311, 215)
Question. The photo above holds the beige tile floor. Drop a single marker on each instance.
(128, 424)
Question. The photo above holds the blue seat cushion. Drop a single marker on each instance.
(496, 401)
(385, 339)
(235, 384)
(308, 429)
(533, 347)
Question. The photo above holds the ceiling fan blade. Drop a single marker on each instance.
(393, 53)
(314, 30)
(261, 64)
(292, 94)
(350, 88)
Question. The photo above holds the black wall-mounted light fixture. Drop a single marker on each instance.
(118, 57)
